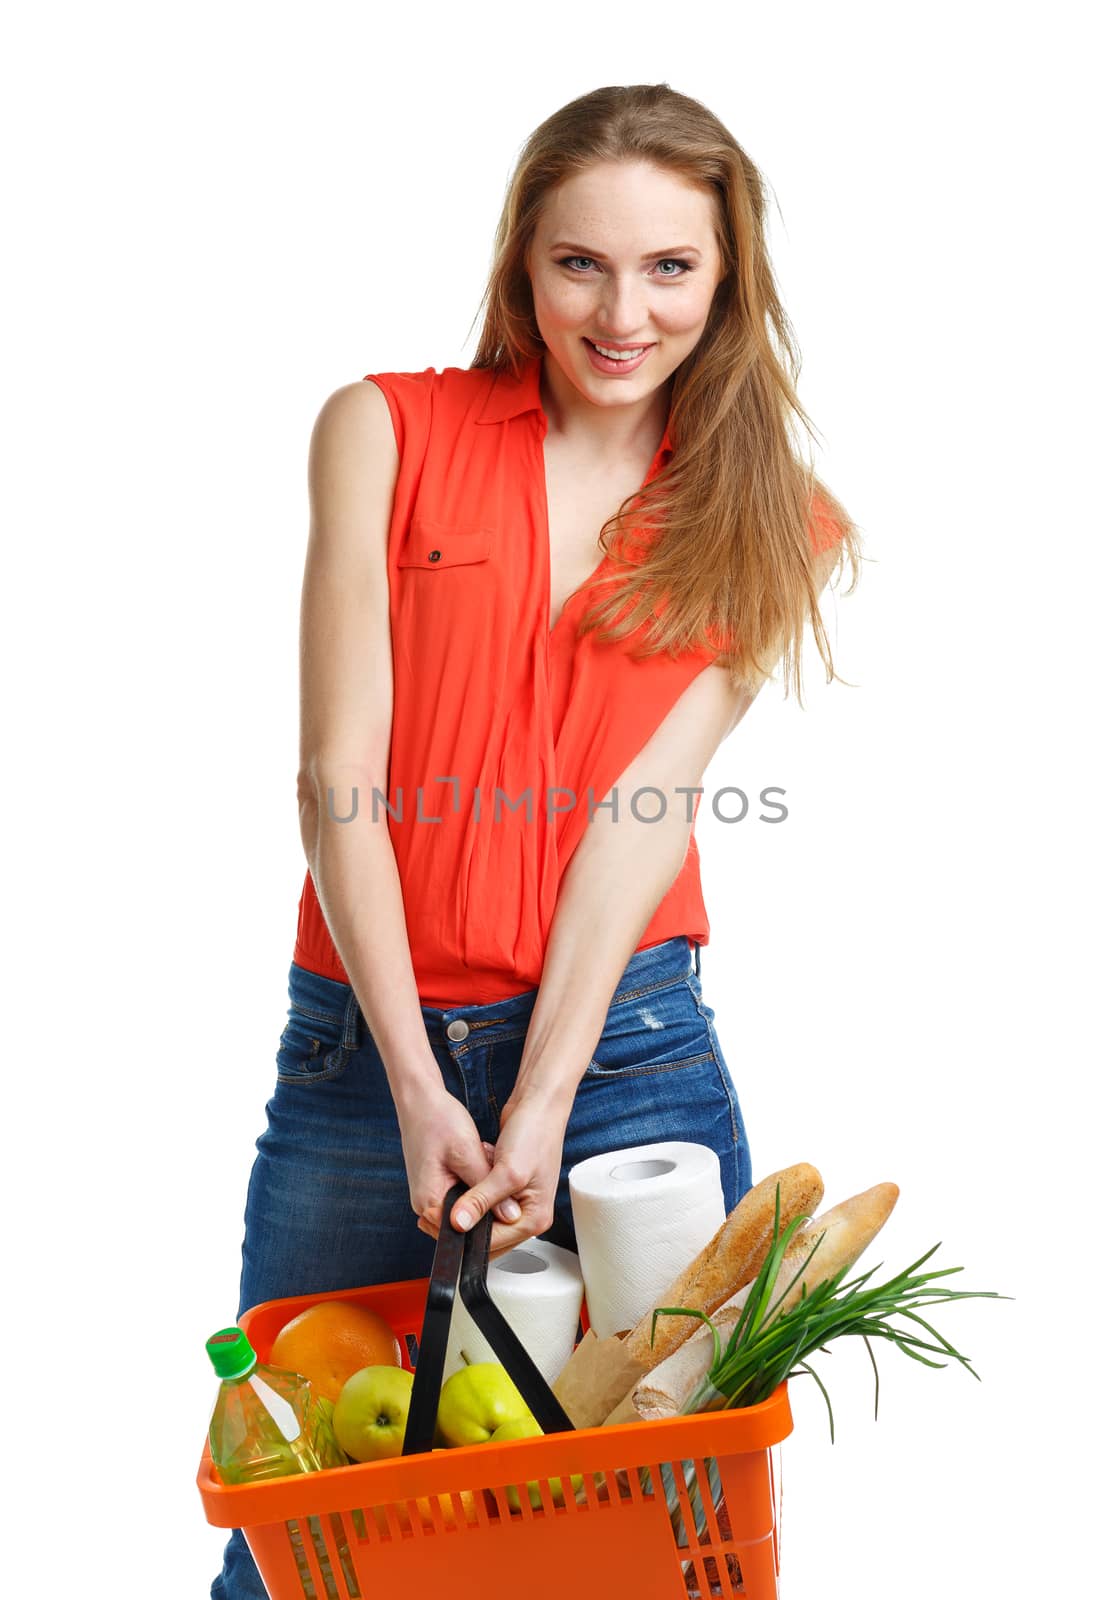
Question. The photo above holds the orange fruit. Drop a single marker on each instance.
(332, 1340)
(447, 1511)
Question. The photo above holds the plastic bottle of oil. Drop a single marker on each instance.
(267, 1423)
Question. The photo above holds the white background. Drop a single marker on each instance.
(219, 215)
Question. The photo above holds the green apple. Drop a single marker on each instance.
(475, 1402)
(371, 1413)
(528, 1428)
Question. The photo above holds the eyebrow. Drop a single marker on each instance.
(597, 255)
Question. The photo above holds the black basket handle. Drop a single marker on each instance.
(462, 1261)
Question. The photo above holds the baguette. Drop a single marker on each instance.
(842, 1234)
(839, 1237)
(600, 1373)
(662, 1391)
(728, 1260)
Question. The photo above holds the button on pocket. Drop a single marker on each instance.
(434, 545)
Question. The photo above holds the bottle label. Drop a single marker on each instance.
(279, 1409)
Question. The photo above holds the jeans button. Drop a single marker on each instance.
(457, 1030)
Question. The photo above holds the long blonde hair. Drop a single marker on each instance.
(738, 510)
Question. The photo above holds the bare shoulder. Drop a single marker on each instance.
(353, 415)
(723, 702)
(352, 465)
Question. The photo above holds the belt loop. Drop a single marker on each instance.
(696, 947)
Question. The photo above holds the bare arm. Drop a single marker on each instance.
(346, 721)
(618, 875)
(613, 885)
(616, 879)
(611, 888)
(346, 703)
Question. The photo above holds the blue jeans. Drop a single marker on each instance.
(328, 1204)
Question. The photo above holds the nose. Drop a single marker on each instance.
(623, 309)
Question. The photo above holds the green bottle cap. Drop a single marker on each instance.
(232, 1354)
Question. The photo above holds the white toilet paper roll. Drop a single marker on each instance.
(539, 1289)
(641, 1215)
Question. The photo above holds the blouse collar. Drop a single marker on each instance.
(509, 396)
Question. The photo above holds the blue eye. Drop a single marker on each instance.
(675, 261)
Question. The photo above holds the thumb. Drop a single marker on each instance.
(493, 1190)
(473, 1171)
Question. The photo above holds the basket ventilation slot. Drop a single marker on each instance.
(326, 1558)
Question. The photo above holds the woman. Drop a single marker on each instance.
(496, 972)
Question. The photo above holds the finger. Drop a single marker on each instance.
(477, 1170)
(468, 1163)
(492, 1191)
(471, 1164)
(504, 1238)
(504, 1210)
(501, 1238)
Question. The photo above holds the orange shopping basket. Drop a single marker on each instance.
(684, 1509)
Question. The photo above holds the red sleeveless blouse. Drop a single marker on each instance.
(490, 701)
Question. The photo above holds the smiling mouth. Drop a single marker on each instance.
(617, 352)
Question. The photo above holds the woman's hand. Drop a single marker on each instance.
(442, 1147)
(526, 1166)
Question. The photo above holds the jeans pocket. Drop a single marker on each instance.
(660, 1031)
(316, 1045)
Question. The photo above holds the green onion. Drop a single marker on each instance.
(768, 1345)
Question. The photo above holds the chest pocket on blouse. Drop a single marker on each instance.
(437, 546)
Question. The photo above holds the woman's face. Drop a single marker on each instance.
(624, 254)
